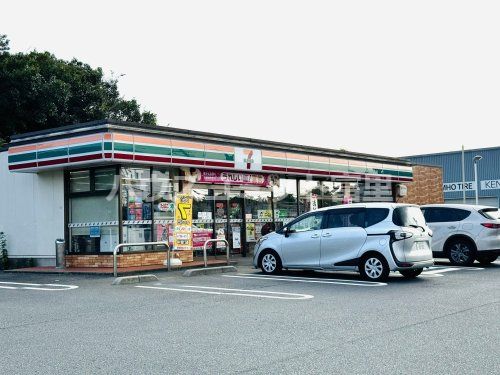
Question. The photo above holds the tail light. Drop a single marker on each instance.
(491, 225)
(401, 235)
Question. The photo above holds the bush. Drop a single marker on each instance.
(3, 250)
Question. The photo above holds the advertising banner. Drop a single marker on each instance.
(250, 232)
(208, 176)
(183, 222)
(314, 202)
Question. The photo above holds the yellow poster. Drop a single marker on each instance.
(250, 232)
(183, 239)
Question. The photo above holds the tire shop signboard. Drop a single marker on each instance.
(183, 237)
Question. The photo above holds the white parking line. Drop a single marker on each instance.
(232, 292)
(31, 286)
(437, 271)
(307, 280)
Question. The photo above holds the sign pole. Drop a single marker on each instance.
(463, 173)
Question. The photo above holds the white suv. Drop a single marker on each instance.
(464, 233)
(374, 238)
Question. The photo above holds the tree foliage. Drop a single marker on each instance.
(39, 91)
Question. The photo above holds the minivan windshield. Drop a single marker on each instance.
(408, 216)
(490, 213)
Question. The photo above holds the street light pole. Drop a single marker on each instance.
(463, 175)
(476, 160)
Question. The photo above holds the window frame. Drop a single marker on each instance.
(92, 191)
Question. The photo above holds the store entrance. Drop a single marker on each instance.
(240, 215)
(229, 208)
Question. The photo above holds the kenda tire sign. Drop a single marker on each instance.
(490, 184)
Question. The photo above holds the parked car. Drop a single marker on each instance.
(373, 238)
(464, 233)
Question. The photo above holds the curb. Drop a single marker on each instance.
(134, 279)
(209, 271)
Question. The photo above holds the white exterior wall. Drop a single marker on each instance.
(32, 212)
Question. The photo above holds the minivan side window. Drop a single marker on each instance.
(407, 216)
(310, 222)
(445, 215)
(346, 217)
(375, 215)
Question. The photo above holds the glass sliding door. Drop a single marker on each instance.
(137, 207)
(258, 216)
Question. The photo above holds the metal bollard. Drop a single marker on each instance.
(60, 252)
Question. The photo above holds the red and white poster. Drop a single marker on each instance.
(208, 176)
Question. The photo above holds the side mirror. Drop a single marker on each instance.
(289, 231)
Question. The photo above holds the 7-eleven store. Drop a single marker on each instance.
(103, 183)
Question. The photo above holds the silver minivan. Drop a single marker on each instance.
(372, 238)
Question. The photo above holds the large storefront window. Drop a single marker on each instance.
(258, 215)
(203, 221)
(93, 211)
(285, 201)
(163, 204)
(309, 190)
(137, 209)
(330, 194)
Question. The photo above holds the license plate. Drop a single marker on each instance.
(420, 246)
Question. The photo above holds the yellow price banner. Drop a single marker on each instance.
(183, 239)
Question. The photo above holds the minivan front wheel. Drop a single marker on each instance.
(374, 268)
(270, 263)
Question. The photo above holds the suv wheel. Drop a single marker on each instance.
(374, 268)
(487, 259)
(411, 274)
(461, 252)
(270, 263)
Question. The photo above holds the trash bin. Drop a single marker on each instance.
(60, 250)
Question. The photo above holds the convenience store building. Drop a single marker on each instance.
(107, 182)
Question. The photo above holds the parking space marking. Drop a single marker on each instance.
(31, 286)
(437, 271)
(307, 280)
(232, 292)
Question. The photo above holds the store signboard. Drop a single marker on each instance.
(183, 221)
(450, 187)
(208, 176)
(248, 159)
(490, 184)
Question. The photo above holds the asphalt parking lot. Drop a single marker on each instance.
(446, 321)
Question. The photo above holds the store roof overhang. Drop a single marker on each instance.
(111, 141)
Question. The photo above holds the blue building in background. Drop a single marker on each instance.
(488, 170)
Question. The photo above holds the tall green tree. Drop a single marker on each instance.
(39, 91)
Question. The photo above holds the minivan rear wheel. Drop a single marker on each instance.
(374, 267)
(461, 252)
(411, 274)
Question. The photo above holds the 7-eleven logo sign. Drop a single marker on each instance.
(248, 159)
